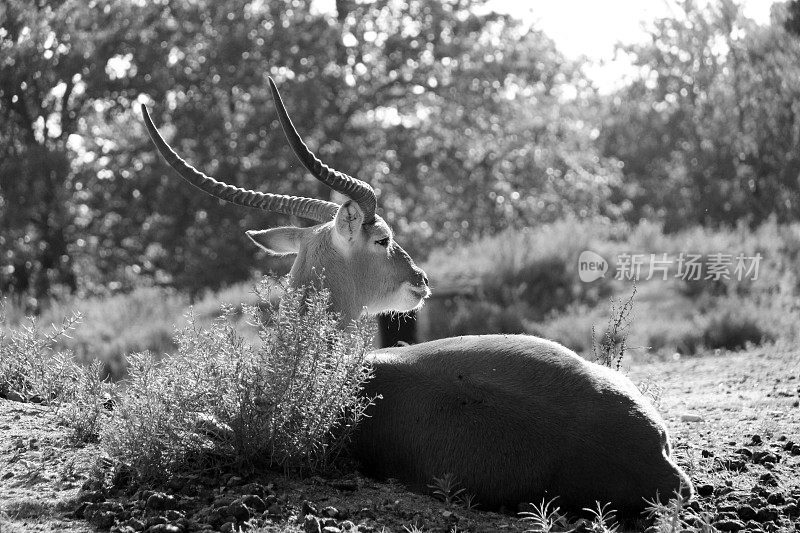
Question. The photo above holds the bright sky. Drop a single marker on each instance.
(592, 28)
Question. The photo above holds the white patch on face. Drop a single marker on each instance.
(405, 298)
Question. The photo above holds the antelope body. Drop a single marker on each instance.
(512, 418)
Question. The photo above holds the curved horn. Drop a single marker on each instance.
(318, 210)
(358, 191)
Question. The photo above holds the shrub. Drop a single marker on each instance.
(30, 365)
(290, 402)
(733, 330)
(610, 348)
(531, 273)
(33, 369)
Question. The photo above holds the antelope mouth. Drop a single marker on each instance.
(420, 292)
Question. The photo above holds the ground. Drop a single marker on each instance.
(734, 419)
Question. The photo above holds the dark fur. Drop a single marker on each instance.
(515, 419)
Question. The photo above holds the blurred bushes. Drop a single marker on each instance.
(526, 281)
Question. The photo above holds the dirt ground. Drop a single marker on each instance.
(734, 418)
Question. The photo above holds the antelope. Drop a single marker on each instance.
(513, 418)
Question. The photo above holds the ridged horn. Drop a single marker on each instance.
(355, 189)
(310, 208)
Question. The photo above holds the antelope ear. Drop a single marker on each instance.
(279, 241)
(348, 223)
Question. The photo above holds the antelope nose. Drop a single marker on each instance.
(425, 280)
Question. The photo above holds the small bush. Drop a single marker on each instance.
(30, 365)
(290, 402)
(610, 348)
(733, 330)
(33, 369)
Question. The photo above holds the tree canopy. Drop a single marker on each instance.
(465, 121)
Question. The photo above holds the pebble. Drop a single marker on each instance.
(767, 514)
(705, 490)
(14, 396)
(255, 503)
(728, 525)
(311, 524)
(746, 512)
(159, 501)
(239, 511)
(690, 417)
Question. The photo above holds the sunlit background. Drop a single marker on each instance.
(504, 139)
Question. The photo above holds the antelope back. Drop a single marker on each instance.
(515, 419)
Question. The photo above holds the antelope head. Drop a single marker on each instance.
(352, 247)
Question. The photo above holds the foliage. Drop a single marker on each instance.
(33, 369)
(29, 363)
(400, 93)
(479, 288)
(708, 132)
(290, 402)
(446, 488)
(610, 350)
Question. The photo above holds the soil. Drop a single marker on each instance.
(734, 419)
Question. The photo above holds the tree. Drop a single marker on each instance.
(710, 132)
(454, 116)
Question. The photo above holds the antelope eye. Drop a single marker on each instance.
(383, 242)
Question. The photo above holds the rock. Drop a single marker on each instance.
(744, 451)
(307, 508)
(347, 525)
(99, 518)
(763, 457)
(768, 478)
(227, 527)
(728, 525)
(255, 503)
(791, 509)
(787, 446)
(239, 511)
(757, 502)
(92, 496)
(755, 440)
(746, 512)
(14, 396)
(690, 417)
(796, 449)
(275, 510)
(134, 524)
(35, 399)
(165, 528)
(331, 529)
(767, 514)
(705, 490)
(158, 501)
(776, 498)
(173, 515)
(311, 524)
(155, 521)
(734, 465)
(331, 512)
